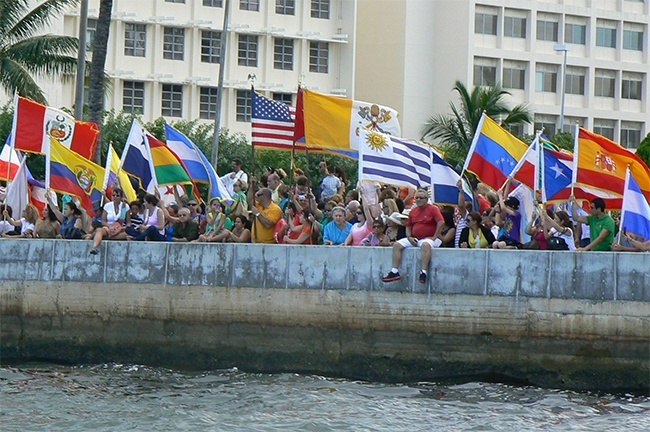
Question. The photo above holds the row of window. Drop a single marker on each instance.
(546, 79)
(574, 33)
(629, 136)
(133, 100)
(135, 42)
(319, 8)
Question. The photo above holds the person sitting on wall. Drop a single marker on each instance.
(560, 226)
(423, 227)
(113, 219)
(475, 235)
(536, 229)
(240, 232)
(153, 228)
(186, 229)
(363, 227)
(71, 222)
(27, 222)
(48, 226)
(304, 229)
(601, 225)
(632, 242)
(377, 237)
(216, 222)
(265, 213)
(448, 233)
(337, 231)
(395, 229)
(508, 217)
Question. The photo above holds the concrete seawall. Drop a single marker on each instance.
(559, 319)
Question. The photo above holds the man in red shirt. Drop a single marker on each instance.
(423, 226)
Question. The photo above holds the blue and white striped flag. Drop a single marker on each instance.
(387, 159)
(635, 215)
(443, 181)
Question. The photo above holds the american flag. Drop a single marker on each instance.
(273, 123)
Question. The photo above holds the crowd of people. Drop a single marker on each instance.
(283, 210)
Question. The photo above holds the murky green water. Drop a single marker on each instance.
(113, 397)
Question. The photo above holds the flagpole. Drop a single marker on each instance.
(627, 185)
(222, 68)
(576, 147)
(251, 79)
(477, 132)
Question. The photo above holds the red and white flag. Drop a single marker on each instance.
(34, 124)
(9, 163)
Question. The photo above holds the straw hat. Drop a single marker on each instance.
(398, 218)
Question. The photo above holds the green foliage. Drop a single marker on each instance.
(644, 150)
(563, 140)
(455, 131)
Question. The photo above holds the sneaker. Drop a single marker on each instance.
(391, 277)
(423, 278)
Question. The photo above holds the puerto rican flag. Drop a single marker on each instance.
(34, 124)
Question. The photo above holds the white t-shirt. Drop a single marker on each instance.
(567, 236)
(5, 227)
(229, 181)
(25, 226)
(112, 215)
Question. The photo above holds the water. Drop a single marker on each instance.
(114, 397)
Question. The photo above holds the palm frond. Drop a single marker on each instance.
(47, 54)
(15, 78)
(37, 18)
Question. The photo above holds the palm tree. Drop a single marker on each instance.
(100, 47)
(455, 131)
(26, 55)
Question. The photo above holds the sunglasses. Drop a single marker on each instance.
(420, 197)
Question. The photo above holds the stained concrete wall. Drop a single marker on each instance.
(578, 320)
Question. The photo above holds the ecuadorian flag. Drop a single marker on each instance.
(494, 153)
(73, 174)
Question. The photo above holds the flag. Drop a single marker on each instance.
(299, 120)
(443, 182)
(9, 162)
(387, 159)
(272, 123)
(136, 158)
(198, 166)
(37, 191)
(527, 169)
(336, 123)
(68, 172)
(17, 195)
(526, 199)
(167, 166)
(34, 124)
(635, 214)
(112, 172)
(601, 164)
(494, 153)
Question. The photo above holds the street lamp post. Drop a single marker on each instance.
(565, 49)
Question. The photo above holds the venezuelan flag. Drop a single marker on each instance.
(334, 123)
(167, 166)
(73, 174)
(494, 153)
(602, 163)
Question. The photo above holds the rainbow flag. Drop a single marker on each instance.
(601, 163)
(70, 173)
(494, 153)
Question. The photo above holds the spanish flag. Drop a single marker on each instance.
(334, 123)
(70, 173)
(601, 163)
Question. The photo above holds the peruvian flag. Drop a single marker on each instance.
(34, 124)
(9, 163)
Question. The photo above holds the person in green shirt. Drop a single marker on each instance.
(601, 225)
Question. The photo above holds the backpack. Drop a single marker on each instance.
(556, 243)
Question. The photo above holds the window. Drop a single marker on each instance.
(172, 100)
(516, 130)
(631, 86)
(604, 128)
(605, 83)
(135, 39)
(208, 103)
(285, 7)
(633, 40)
(213, 3)
(175, 1)
(244, 105)
(546, 78)
(91, 28)
(247, 53)
(249, 5)
(515, 27)
(575, 33)
(630, 134)
(210, 46)
(547, 123)
(547, 30)
(575, 81)
(283, 97)
(174, 43)
(570, 124)
(485, 74)
(318, 57)
(606, 37)
(283, 54)
(133, 97)
(514, 75)
(320, 9)
(485, 23)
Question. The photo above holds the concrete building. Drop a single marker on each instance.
(164, 56)
(409, 54)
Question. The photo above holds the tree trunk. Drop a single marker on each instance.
(96, 91)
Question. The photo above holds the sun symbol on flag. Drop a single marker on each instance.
(376, 141)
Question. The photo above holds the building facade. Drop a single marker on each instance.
(521, 44)
(164, 55)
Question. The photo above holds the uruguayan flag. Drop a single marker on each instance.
(635, 215)
(386, 159)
